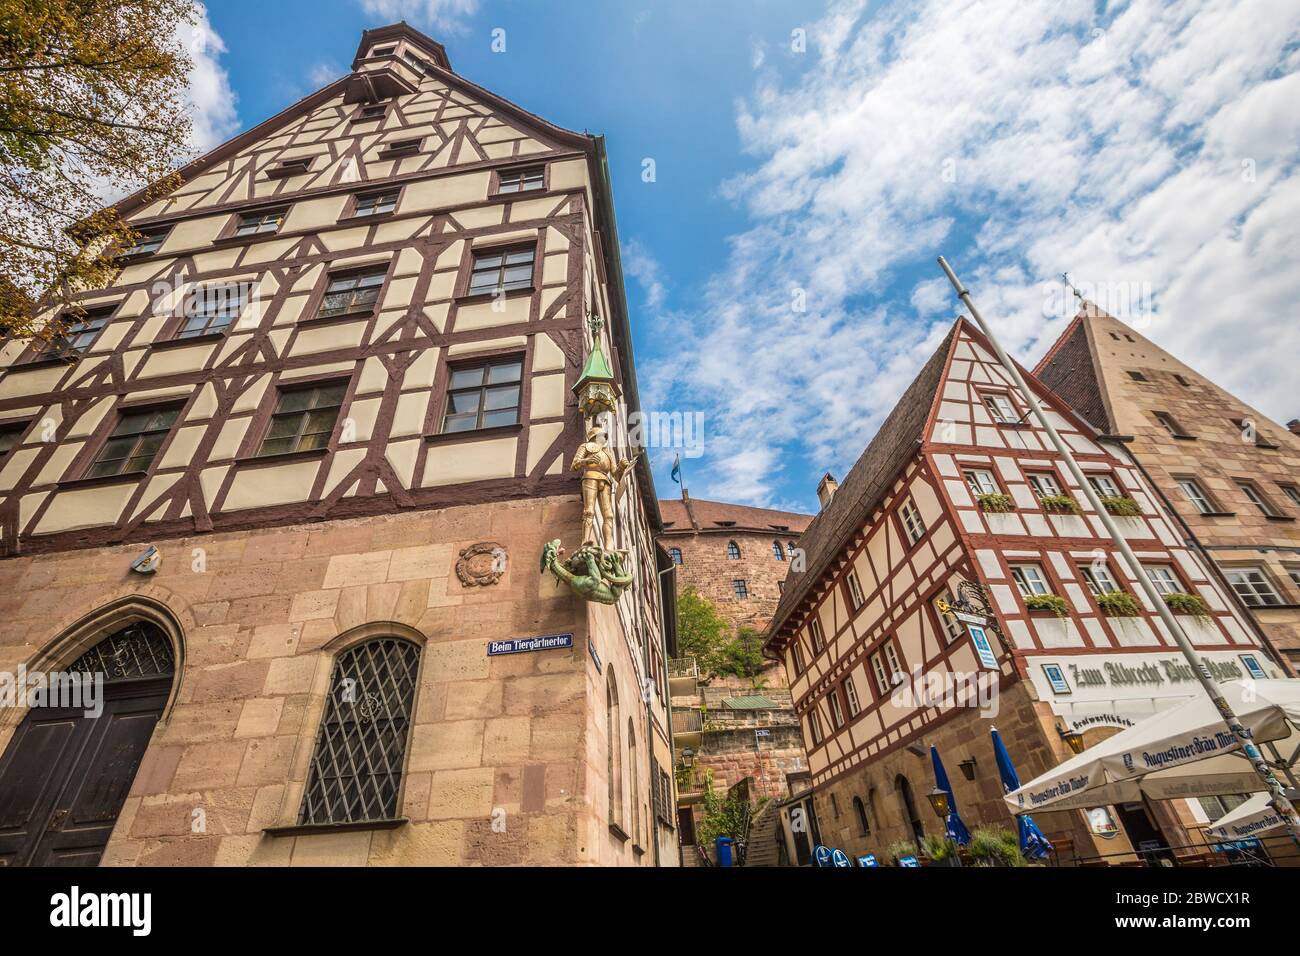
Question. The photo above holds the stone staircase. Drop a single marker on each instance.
(762, 850)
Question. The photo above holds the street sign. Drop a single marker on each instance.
(908, 861)
(840, 858)
(822, 854)
(521, 645)
(868, 860)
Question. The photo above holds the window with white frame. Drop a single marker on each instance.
(1098, 578)
(815, 635)
(1197, 496)
(1043, 483)
(952, 628)
(851, 697)
(1256, 498)
(1253, 587)
(1295, 576)
(1292, 492)
(856, 597)
(1029, 579)
(837, 715)
(1104, 485)
(1164, 578)
(980, 481)
(815, 726)
(885, 666)
(796, 658)
(912, 522)
(1000, 407)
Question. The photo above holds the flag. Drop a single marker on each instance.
(677, 469)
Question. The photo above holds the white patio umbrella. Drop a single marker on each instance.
(1185, 751)
(1252, 818)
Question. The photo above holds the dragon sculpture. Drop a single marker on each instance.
(591, 573)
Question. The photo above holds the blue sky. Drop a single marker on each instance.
(812, 159)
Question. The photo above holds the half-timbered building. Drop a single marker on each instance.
(961, 499)
(332, 389)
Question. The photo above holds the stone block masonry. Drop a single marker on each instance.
(497, 761)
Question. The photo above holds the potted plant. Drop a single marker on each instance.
(994, 846)
(1191, 604)
(1047, 602)
(900, 848)
(1059, 504)
(1118, 604)
(996, 502)
(940, 850)
(1121, 505)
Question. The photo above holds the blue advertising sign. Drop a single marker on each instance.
(840, 858)
(979, 637)
(908, 861)
(822, 854)
(520, 645)
(868, 860)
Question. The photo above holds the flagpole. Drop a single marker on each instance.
(1280, 801)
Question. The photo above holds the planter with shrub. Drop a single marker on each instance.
(1059, 504)
(1119, 604)
(1121, 505)
(995, 502)
(994, 846)
(1047, 602)
(1190, 604)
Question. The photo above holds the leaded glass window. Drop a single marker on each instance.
(134, 442)
(139, 650)
(356, 769)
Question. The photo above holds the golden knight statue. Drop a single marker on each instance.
(601, 477)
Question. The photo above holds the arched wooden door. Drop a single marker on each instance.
(65, 775)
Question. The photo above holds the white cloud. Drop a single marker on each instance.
(209, 97)
(448, 15)
(1155, 146)
(645, 268)
(322, 74)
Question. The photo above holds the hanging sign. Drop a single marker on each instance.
(521, 645)
(980, 638)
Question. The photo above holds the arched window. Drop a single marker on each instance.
(356, 769)
(913, 818)
(733, 551)
(676, 555)
(791, 548)
(634, 782)
(614, 742)
(777, 551)
(864, 825)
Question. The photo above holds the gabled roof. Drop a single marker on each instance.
(697, 514)
(1072, 371)
(895, 444)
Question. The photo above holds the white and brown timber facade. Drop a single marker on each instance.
(908, 527)
(1229, 473)
(350, 465)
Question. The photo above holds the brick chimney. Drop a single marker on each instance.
(1294, 426)
(826, 489)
